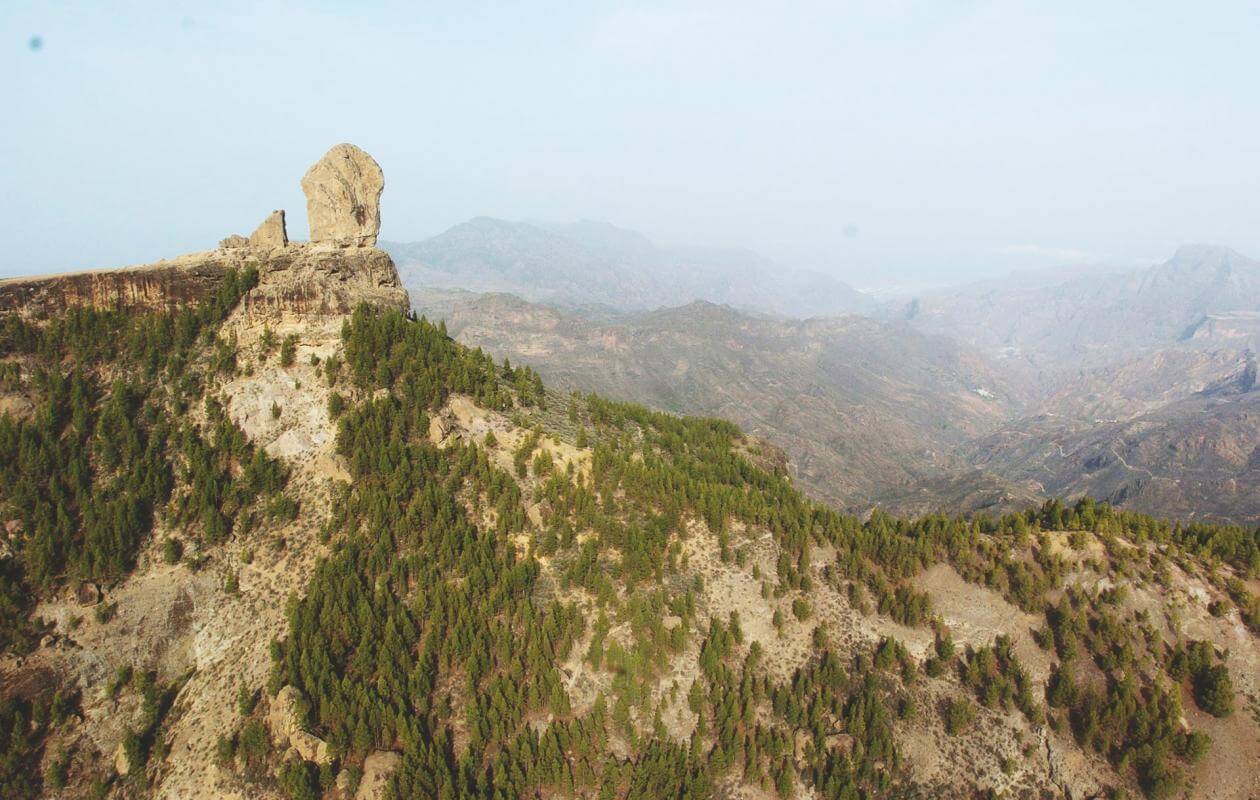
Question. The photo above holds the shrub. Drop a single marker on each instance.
(172, 551)
(801, 608)
(104, 612)
(288, 350)
(1214, 691)
(300, 780)
(336, 404)
(958, 715)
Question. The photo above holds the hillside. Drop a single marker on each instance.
(1091, 320)
(877, 413)
(1195, 457)
(866, 410)
(271, 543)
(594, 264)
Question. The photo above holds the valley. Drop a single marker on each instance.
(912, 410)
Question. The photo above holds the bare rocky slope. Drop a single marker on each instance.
(1197, 456)
(1092, 320)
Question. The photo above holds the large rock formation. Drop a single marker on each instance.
(343, 193)
(378, 768)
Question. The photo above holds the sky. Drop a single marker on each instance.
(889, 143)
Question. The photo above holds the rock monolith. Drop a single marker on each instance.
(343, 198)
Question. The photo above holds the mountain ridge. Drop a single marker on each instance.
(876, 413)
(1089, 320)
(286, 540)
(588, 262)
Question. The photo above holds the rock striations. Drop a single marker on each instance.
(340, 268)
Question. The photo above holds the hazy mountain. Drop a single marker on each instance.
(875, 412)
(586, 264)
(1127, 389)
(866, 409)
(1090, 319)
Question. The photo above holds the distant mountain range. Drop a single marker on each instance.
(1135, 387)
(1093, 319)
(866, 409)
(594, 264)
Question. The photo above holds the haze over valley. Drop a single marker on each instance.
(1134, 386)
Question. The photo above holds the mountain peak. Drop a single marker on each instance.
(1208, 256)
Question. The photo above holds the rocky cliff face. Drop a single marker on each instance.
(161, 286)
(330, 276)
(296, 279)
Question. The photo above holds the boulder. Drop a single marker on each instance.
(343, 198)
(270, 234)
(122, 764)
(310, 747)
(439, 429)
(284, 720)
(88, 594)
(378, 768)
(282, 717)
(233, 242)
(343, 782)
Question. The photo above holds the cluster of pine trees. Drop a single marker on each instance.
(110, 443)
(109, 448)
(427, 633)
(1135, 720)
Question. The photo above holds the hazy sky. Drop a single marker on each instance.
(951, 139)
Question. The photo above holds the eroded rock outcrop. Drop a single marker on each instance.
(343, 198)
(378, 768)
(338, 270)
(294, 280)
(284, 720)
(162, 286)
(271, 233)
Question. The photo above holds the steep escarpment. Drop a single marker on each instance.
(297, 279)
